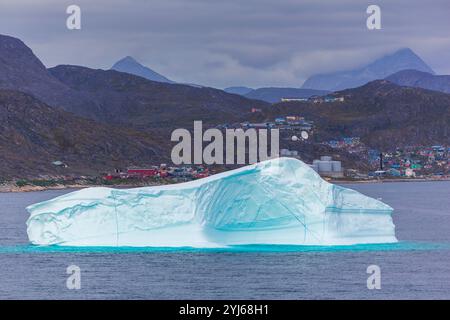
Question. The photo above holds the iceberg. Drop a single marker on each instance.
(276, 202)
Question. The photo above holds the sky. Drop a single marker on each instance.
(256, 43)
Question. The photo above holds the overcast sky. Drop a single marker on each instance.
(231, 42)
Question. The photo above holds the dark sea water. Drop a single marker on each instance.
(416, 268)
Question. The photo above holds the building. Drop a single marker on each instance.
(294, 99)
(288, 153)
(334, 99)
(280, 120)
(328, 167)
(142, 173)
(316, 99)
(410, 173)
(294, 118)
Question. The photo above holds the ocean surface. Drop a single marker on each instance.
(418, 267)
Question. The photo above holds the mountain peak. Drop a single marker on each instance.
(402, 59)
(132, 66)
(127, 59)
(405, 50)
(16, 54)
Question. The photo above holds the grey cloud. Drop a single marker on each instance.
(234, 42)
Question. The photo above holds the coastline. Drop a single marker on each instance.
(387, 180)
(12, 187)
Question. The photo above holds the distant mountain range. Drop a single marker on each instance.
(401, 60)
(238, 90)
(131, 66)
(419, 79)
(273, 94)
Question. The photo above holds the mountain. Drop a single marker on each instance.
(115, 97)
(33, 135)
(131, 66)
(274, 95)
(383, 114)
(238, 90)
(419, 79)
(21, 70)
(130, 100)
(401, 60)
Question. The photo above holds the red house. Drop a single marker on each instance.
(142, 173)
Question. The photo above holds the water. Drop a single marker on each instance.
(416, 268)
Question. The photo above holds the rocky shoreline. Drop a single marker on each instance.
(13, 187)
(6, 188)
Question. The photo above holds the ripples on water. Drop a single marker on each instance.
(416, 267)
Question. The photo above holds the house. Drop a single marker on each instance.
(263, 125)
(393, 172)
(59, 163)
(379, 173)
(142, 173)
(316, 99)
(288, 153)
(410, 172)
(182, 172)
(294, 118)
(280, 120)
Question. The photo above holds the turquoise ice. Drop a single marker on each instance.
(280, 201)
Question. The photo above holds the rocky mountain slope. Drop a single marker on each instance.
(116, 97)
(419, 79)
(21, 70)
(135, 101)
(33, 135)
(383, 114)
(379, 69)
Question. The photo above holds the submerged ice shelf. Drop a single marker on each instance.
(279, 201)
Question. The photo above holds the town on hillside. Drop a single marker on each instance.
(405, 162)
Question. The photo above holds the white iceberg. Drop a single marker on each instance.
(280, 201)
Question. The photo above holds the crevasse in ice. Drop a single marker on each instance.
(279, 201)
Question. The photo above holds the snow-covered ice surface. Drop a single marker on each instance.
(280, 201)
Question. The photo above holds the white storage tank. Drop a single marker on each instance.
(336, 165)
(325, 166)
